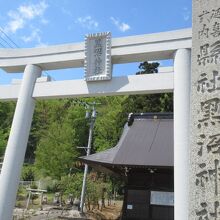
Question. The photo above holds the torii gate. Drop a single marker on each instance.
(167, 45)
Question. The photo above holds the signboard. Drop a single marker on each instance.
(129, 207)
(98, 57)
(162, 198)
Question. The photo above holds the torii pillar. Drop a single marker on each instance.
(17, 143)
(182, 74)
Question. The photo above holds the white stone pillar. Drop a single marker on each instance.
(182, 72)
(17, 143)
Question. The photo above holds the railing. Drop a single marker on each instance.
(29, 183)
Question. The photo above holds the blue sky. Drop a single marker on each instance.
(40, 23)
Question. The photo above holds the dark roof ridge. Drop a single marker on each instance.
(149, 115)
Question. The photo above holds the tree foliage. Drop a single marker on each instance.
(2, 142)
(6, 114)
(147, 68)
(107, 129)
(146, 103)
(57, 148)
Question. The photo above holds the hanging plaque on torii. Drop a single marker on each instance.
(98, 57)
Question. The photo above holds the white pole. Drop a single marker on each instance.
(17, 143)
(182, 72)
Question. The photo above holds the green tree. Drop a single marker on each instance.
(107, 130)
(146, 103)
(65, 130)
(147, 68)
(2, 142)
(6, 115)
(72, 184)
(55, 152)
(46, 112)
(28, 173)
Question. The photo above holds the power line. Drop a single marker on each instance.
(2, 45)
(9, 38)
(14, 45)
(6, 42)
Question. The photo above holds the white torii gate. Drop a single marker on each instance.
(167, 45)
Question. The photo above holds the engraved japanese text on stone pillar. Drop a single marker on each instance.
(204, 197)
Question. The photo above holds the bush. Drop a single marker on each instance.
(72, 184)
(22, 193)
(28, 173)
(54, 187)
(49, 184)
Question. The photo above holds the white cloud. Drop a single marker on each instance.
(32, 10)
(186, 14)
(19, 18)
(41, 45)
(87, 22)
(120, 25)
(34, 36)
(14, 25)
(66, 12)
(44, 21)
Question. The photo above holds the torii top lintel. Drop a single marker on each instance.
(158, 46)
